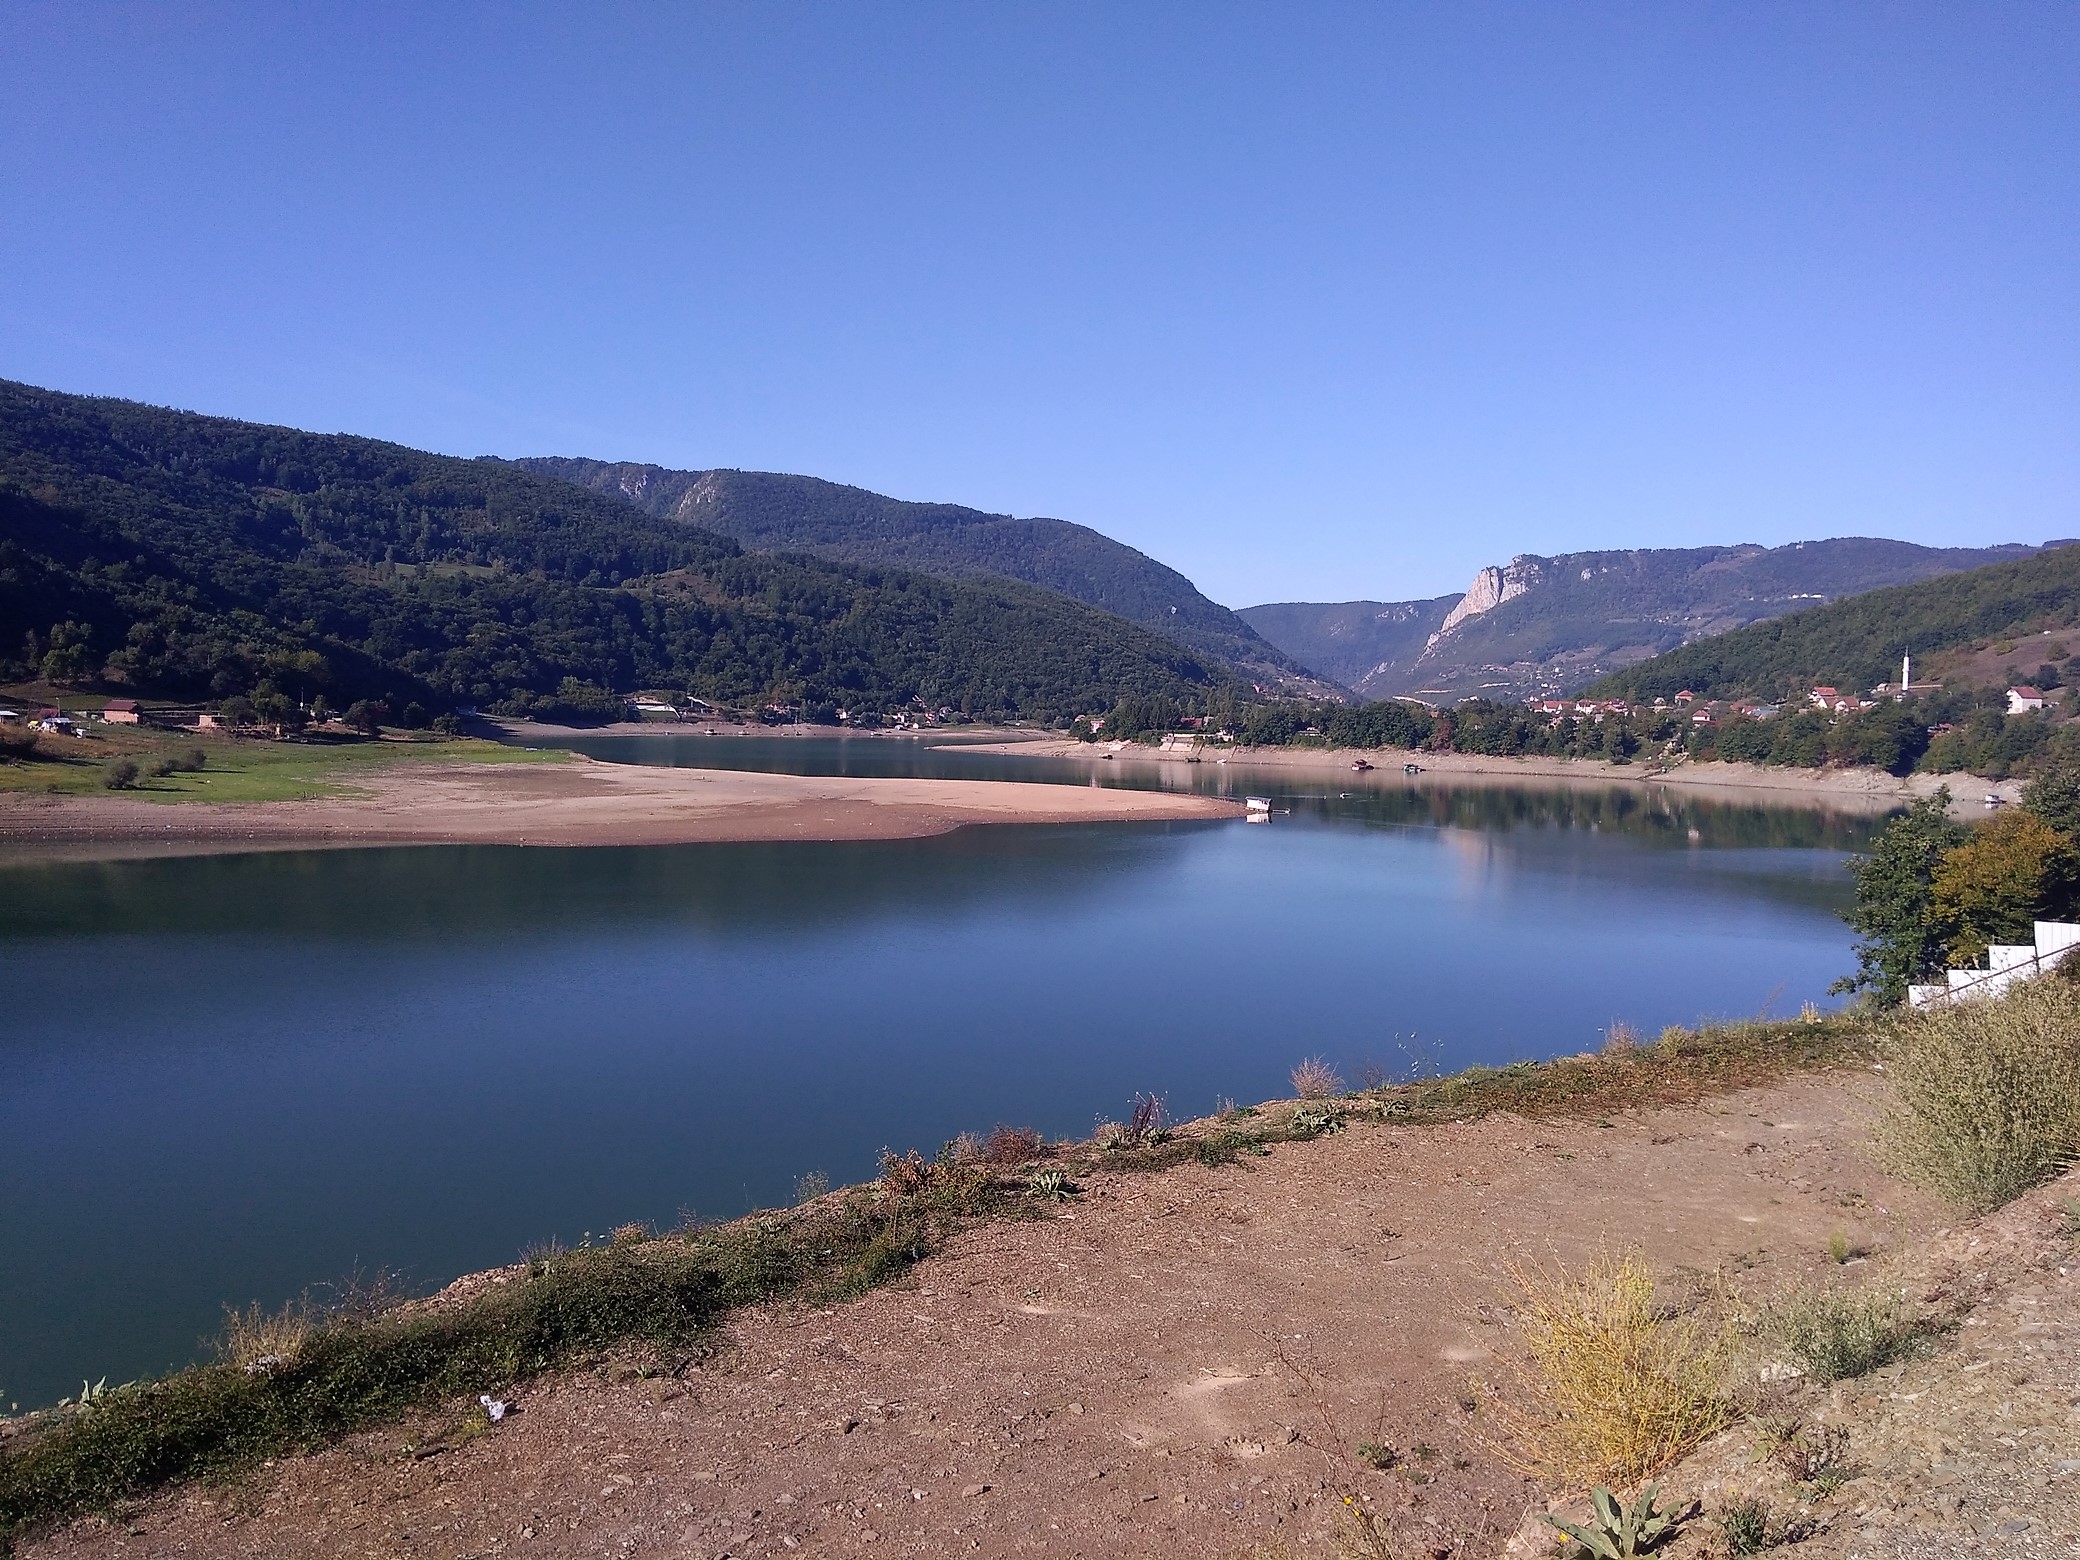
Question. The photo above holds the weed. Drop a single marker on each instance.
(1009, 1146)
(1315, 1079)
(1816, 1456)
(1985, 1097)
(1363, 1534)
(1620, 1039)
(1745, 1525)
(1316, 1123)
(807, 1188)
(1378, 1455)
(1051, 1186)
(1835, 1334)
(256, 1340)
(1838, 1247)
(629, 1234)
(1613, 1391)
(1146, 1119)
(1619, 1531)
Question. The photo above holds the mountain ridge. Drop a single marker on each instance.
(171, 553)
(1544, 625)
(782, 512)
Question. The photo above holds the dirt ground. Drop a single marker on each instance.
(1179, 1364)
(582, 803)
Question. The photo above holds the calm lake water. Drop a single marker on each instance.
(229, 1078)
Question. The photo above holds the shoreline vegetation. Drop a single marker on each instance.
(181, 794)
(303, 1378)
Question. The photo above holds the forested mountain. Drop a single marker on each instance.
(1358, 643)
(169, 553)
(1551, 625)
(1857, 644)
(770, 512)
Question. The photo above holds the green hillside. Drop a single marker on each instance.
(166, 553)
(1857, 643)
(770, 512)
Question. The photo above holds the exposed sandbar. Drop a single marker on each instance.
(578, 803)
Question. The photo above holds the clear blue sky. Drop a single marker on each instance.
(1312, 301)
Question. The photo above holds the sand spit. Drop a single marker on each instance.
(576, 803)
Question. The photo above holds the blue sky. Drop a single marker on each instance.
(1312, 301)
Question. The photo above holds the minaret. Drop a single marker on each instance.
(1906, 671)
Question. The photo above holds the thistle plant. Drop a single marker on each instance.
(1619, 1531)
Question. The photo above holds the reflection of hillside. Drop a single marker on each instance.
(1655, 817)
(483, 891)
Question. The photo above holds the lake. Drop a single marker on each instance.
(231, 1078)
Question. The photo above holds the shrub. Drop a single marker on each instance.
(120, 775)
(2013, 870)
(17, 745)
(1985, 1096)
(255, 1340)
(1613, 1390)
(1835, 1335)
(1315, 1079)
(1012, 1146)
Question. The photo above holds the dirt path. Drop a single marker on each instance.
(582, 803)
(1178, 1365)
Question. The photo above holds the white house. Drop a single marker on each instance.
(2022, 700)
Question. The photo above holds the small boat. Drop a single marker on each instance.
(1411, 769)
(1258, 804)
(1359, 766)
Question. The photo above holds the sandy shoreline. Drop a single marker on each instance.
(1859, 790)
(574, 804)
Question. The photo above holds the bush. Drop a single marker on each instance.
(1315, 1079)
(120, 775)
(1613, 1390)
(17, 745)
(1836, 1335)
(1012, 1146)
(1985, 1096)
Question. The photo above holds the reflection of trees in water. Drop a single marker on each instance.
(1655, 816)
(449, 892)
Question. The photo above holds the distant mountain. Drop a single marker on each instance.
(774, 513)
(1553, 625)
(1358, 643)
(168, 553)
(2016, 610)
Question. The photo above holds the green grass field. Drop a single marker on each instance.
(238, 769)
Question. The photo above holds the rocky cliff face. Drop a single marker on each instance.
(1489, 590)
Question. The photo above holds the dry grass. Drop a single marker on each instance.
(1985, 1099)
(1315, 1079)
(255, 1340)
(1614, 1388)
(1009, 1146)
